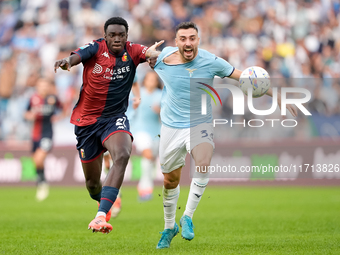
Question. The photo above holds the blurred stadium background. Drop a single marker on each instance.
(297, 42)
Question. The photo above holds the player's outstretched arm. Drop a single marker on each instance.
(67, 63)
(291, 108)
(236, 74)
(152, 52)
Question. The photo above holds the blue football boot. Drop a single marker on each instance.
(167, 236)
(187, 228)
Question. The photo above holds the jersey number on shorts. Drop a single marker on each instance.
(204, 133)
(120, 123)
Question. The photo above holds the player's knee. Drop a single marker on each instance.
(170, 184)
(203, 163)
(93, 187)
(122, 156)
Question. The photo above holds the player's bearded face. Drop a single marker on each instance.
(115, 37)
(187, 42)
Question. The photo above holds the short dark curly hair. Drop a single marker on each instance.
(186, 25)
(116, 21)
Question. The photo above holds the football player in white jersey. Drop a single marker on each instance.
(182, 131)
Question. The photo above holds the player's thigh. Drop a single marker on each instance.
(119, 145)
(117, 138)
(200, 136)
(201, 144)
(202, 154)
(202, 133)
(172, 150)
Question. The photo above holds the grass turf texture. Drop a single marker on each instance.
(230, 220)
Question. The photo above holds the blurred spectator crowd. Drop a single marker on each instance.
(290, 39)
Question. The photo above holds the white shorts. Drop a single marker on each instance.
(143, 141)
(175, 144)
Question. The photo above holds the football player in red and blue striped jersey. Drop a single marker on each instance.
(99, 116)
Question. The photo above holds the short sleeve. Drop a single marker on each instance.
(221, 68)
(137, 52)
(87, 51)
(160, 57)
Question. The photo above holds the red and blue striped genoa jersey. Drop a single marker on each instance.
(44, 108)
(107, 80)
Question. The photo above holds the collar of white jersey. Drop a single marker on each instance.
(172, 52)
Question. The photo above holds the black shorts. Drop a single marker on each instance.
(91, 138)
(45, 143)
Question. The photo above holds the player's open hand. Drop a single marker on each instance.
(152, 54)
(63, 64)
(291, 108)
(154, 47)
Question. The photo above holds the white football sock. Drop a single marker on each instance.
(197, 188)
(100, 214)
(146, 179)
(170, 197)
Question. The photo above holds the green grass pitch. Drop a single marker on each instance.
(229, 220)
